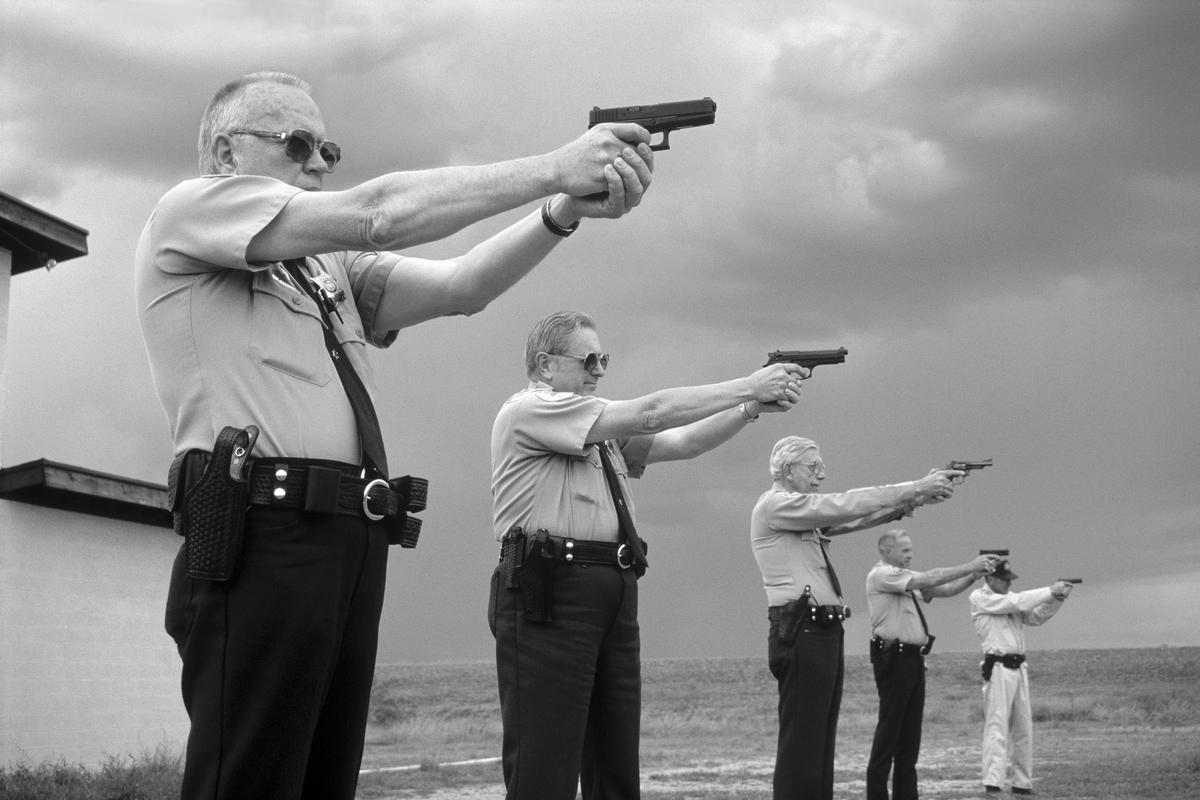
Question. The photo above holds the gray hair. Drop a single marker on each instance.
(228, 111)
(888, 539)
(550, 336)
(788, 450)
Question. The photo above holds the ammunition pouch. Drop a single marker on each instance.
(210, 511)
(796, 615)
(882, 654)
(824, 616)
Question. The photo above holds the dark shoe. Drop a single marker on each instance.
(1019, 790)
(991, 789)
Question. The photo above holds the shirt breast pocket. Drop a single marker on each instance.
(288, 336)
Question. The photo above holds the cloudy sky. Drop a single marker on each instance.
(992, 205)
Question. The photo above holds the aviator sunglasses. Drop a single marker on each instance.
(299, 145)
(590, 360)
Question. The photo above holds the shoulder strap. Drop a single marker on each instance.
(628, 531)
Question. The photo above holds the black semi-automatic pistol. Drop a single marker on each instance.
(660, 117)
(808, 359)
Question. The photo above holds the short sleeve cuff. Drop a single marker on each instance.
(635, 450)
(368, 285)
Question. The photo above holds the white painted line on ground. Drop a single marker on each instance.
(412, 767)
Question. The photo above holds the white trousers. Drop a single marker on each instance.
(1007, 728)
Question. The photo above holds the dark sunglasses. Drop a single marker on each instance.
(590, 360)
(299, 145)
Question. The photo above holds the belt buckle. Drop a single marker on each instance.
(366, 501)
(622, 552)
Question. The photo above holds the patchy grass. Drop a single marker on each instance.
(154, 775)
(1109, 725)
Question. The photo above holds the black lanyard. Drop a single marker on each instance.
(624, 519)
(929, 637)
(833, 578)
(369, 432)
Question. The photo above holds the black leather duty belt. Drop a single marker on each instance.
(821, 615)
(906, 649)
(566, 550)
(330, 487)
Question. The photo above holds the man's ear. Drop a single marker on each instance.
(223, 155)
(542, 362)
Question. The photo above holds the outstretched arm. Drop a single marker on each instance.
(1041, 613)
(420, 289)
(936, 487)
(706, 434)
(956, 586)
(1009, 602)
(403, 209)
(949, 581)
(673, 408)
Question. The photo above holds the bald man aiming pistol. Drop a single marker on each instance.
(899, 643)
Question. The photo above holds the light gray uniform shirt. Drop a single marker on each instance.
(235, 343)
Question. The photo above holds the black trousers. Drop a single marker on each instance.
(810, 672)
(570, 689)
(897, 740)
(278, 664)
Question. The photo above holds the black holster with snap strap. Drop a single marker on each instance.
(529, 569)
(209, 509)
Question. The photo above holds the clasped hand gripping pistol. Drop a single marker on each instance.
(967, 466)
(660, 118)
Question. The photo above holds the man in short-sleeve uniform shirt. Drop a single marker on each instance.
(790, 528)
(278, 661)
(900, 640)
(564, 597)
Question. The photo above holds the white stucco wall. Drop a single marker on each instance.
(86, 670)
(5, 293)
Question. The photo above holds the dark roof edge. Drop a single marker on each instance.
(35, 238)
(85, 491)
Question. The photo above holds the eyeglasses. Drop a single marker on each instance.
(815, 467)
(299, 145)
(589, 361)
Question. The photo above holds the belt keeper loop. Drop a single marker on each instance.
(414, 492)
(321, 490)
(404, 531)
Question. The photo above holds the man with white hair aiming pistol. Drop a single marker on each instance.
(789, 529)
